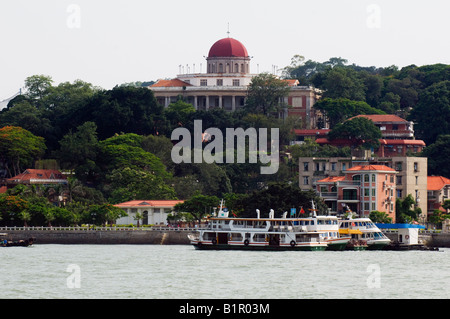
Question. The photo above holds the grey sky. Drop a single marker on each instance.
(112, 42)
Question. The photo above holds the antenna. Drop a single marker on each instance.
(228, 32)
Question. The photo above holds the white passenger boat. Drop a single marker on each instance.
(363, 232)
(327, 226)
(227, 233)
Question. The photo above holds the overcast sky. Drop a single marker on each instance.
(112, 42)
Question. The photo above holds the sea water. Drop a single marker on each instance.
(181, 272)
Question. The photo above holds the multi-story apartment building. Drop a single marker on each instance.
(411, 177)
(363, 188)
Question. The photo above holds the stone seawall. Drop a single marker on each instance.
(102, 237)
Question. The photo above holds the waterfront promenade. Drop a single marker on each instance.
(155, 235)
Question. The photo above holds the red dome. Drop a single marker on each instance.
(228, 47)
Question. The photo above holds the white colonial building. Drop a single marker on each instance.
(225, 84)
(153, 212)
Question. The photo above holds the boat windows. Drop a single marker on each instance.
(235, 237)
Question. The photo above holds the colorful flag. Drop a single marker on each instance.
(302, 211)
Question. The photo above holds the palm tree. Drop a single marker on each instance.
(138, 217)
(25, 216)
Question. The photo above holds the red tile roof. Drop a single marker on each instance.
(371, 168)
(292, 82)
(170, 83)
(382, 117)
(149, 203)
(37, 176)
(437, 182)
(332, 179)
(3, 189)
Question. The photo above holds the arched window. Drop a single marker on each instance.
(236, 68)
(220, 68)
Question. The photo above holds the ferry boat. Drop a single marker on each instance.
(363, 232)
(328, 226)
(228, 233)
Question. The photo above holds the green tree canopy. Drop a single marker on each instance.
(280, 197)
(19, 148)
(340, 109)
(432, 112)
(266, 94)
(198, 206)
(360, 130)
(438, 154)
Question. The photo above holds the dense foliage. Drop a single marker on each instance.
(116, 143)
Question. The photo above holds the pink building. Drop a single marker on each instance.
(364, 189)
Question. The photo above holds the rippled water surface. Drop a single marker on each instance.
(169, 272)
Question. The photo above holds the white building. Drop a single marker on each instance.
(154, 212)
(225, 84)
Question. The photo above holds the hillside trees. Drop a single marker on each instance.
(265, 93)
(19, 148)
(360, 130)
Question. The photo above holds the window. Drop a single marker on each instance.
(236, 83)
(305, 166)
(398, 166)
(417, 180)
(373, 178)
(305, 180)
(333, 166)
(366, 192)
(399, 193)
(203, 82)
(344, 166)
(416, 167)
(399, 180)
(366, 177)
(219, 82)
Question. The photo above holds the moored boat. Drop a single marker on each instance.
(228, 233)
(18, 243)
(328, 227)
(363, 232)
